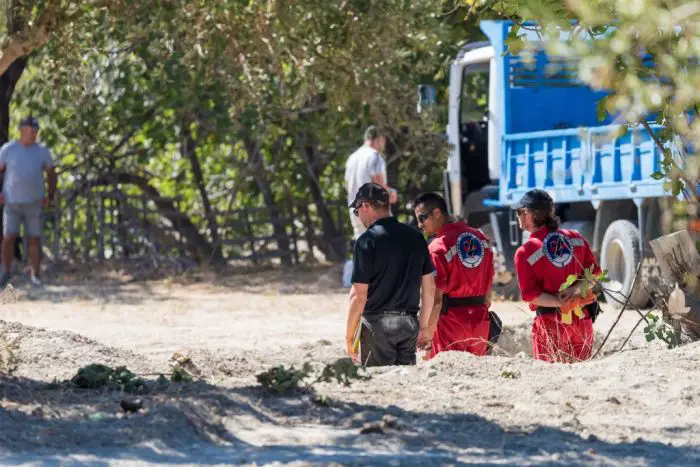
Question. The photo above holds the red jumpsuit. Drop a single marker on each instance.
(463, 268)
(543, 263)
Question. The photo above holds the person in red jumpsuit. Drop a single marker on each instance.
(543, 263)
(464, 272)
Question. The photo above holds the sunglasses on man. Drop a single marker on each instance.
(422, 217)
(356, 209)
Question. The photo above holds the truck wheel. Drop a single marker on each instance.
(620, 255)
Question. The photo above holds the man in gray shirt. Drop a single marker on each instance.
(24, 162)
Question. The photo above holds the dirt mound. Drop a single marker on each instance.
(621, 409)
(223, 364)
(43, 354)
(514, 341)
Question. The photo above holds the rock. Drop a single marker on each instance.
(614, 400)
(390, 421)
(131, 405)
(287, 289)
(432, 373)
(372, 428)
(97, 417)
(592, 438)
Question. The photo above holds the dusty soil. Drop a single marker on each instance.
(640, 406)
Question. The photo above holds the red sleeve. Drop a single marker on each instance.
(437, 254)
(589, 258)
(529, 285)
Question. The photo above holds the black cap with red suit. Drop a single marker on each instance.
(535, 200)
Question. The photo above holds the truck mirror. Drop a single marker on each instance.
(427, 96)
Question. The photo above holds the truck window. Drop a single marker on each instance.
(475, 93)
(473, 128)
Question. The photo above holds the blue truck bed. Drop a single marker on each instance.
(551, 136)
(578, 164)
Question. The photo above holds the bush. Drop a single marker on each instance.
(282, 379)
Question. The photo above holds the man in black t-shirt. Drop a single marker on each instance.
(392, 285)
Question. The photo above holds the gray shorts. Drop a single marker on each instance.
(16, 214)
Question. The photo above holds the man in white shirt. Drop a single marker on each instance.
(366, 165)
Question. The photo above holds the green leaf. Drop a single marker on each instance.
(676, 187)
(568, 282)
(658, 175)
(601, 109)
(514, 44)
(603, 276)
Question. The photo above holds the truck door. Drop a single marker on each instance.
(468, 127)
(473, 128)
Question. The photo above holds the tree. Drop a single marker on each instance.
(227, 104)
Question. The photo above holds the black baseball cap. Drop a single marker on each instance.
(536, 200)
(371, 192)
(30, 121)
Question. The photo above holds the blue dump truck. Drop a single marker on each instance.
(535, 125)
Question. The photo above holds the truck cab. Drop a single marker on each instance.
(521, 122)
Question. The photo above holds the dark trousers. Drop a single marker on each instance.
(389, 339)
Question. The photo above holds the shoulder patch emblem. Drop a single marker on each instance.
(470, 249)
(558, 249)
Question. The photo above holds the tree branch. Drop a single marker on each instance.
(689, 183)
(24, 42)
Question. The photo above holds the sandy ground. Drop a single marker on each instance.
(640, 406)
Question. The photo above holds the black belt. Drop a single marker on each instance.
(453, 302)
(398, 312)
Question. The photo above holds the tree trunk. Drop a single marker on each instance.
(198, 246)
(255, 161)
(332, 237)
(188, 149)
(8, 81)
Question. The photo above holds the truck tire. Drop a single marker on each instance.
(620, 255)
